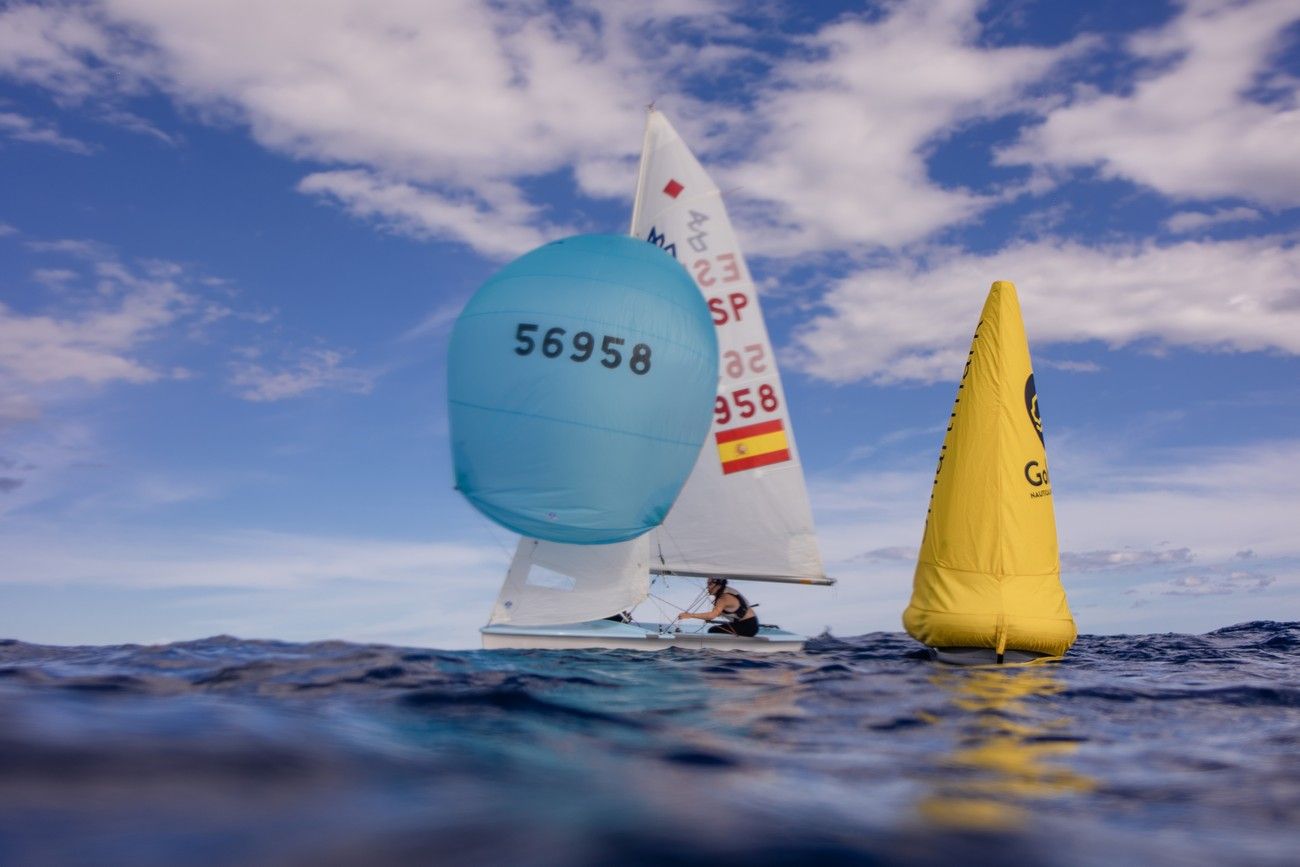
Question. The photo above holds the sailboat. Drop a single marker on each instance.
(987, 587)
(743, 513)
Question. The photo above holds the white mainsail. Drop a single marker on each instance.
(744, 511)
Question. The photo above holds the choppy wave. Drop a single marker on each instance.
(1172, 748)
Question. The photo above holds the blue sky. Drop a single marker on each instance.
(233, 238)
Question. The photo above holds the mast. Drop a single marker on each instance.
(641, 169)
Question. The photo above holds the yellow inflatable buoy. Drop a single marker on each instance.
(989, 573)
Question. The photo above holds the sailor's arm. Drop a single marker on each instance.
(704, 615)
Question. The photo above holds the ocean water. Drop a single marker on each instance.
(1178, 749)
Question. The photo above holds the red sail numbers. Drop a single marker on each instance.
(673, 189)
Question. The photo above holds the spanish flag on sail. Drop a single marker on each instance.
(989, 572)
(754, 445)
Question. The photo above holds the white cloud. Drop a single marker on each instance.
(1190, 126)
(1191, 221)
(53, 456)
(1225, 517)
(309, 370)
(1212, 584)
(255, 583)
(101, 322)
(79, 248)
(105, 320)
(54, 278)
(1214, 501)
(460, 101)
(134, 123)
(25, 129)
(1069, 366)
(62, 48)
(448, 108)
(1127, 558)
(897, 553)
(440, 115)
(16, 407)
(437, 322)
(907, 322)
(503, 227)
(437, 92)
(245, 559)
(151, 490)
(100, 341)
(841, 153)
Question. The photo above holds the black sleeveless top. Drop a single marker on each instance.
(739, 613)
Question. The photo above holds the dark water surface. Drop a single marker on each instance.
(1179, 749)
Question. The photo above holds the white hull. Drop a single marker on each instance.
(609, 635)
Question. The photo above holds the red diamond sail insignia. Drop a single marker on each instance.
(673, 189)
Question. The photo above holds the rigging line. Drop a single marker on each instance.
(663, 616)
(491, 529)
(666, 618)
(694, 602)
(661, 533)
(659, 599)
(659, 602)
(700, 597)
(648, 596)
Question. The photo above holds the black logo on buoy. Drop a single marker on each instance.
(1035, 475)
(1031, 404)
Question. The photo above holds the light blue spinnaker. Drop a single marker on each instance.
(581, 381)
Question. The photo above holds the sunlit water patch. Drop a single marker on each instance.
(1172, 748)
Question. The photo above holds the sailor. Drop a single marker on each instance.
(730, 606)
